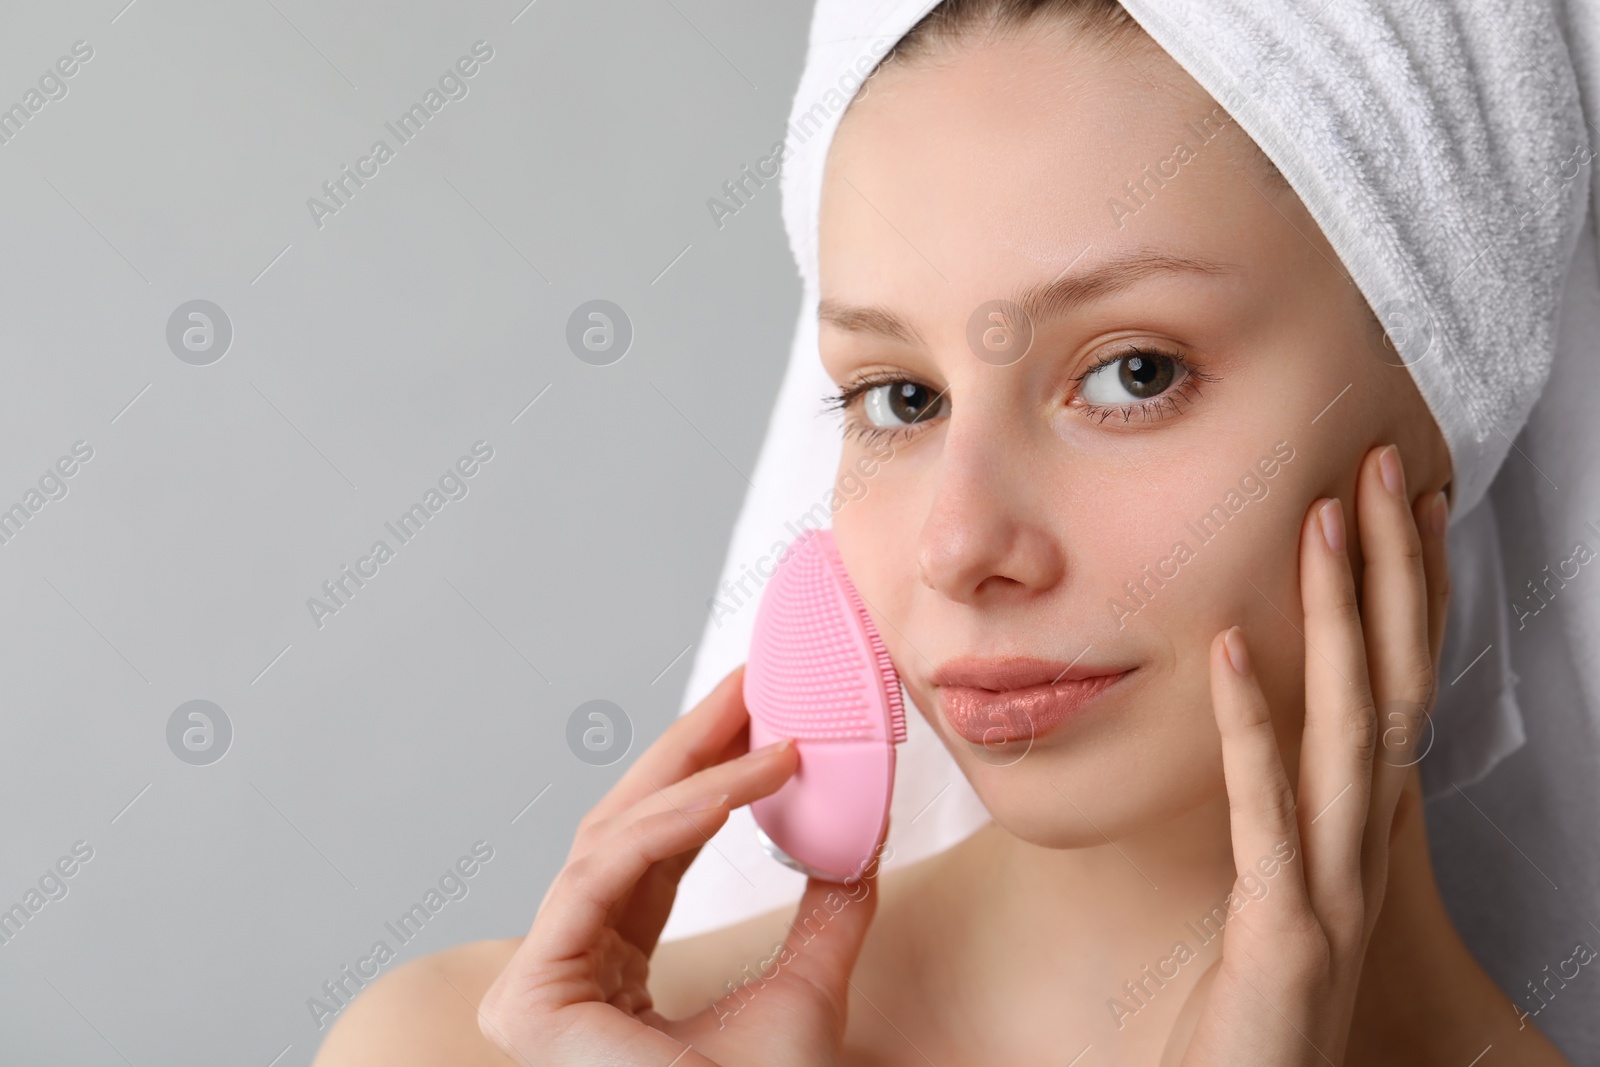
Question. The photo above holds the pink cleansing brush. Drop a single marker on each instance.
(818, 672)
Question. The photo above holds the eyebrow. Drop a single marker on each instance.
(1041, 301)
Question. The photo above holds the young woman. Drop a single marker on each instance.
(1207, 412)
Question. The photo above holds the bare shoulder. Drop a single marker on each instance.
(424, 1012)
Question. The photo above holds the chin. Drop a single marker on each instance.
(1118, 800)
(1141, 761)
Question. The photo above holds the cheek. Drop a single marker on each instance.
(1203, 555)
(877, 538)
(1191, 546)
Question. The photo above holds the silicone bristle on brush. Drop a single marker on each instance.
(886, 672)
(818, 669)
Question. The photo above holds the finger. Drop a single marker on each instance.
(1261, 802)
(1340, 732)
(640, 914)
(640, 917)
(1394, 619)
(579, 900)
(825, 938)
(596, 1033)
(744, 778)
(690, 743)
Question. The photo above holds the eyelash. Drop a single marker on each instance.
(846, 400)
(1165, 406)
(1187, 390)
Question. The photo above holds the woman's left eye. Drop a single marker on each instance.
(1131, 379)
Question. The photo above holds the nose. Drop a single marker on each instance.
(988, 534)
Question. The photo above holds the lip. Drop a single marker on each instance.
(990, 701)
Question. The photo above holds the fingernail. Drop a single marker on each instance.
(1389, 465)
(1238, 654)
(1330, 518)
(1439, 515)
(707, 803)
(766, 750)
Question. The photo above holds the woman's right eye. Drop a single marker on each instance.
(892, 405)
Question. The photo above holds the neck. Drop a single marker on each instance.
(1049, 950)
(1098, 945)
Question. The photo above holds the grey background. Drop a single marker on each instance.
(433, 711)
(370, 754)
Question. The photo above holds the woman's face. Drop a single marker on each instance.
(1080, 505)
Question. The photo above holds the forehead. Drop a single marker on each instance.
(998, 164)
